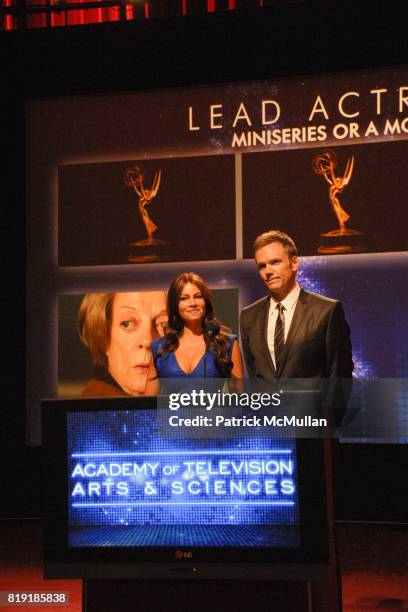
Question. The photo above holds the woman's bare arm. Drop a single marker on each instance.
(236, 358)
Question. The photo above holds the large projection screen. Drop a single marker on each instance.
(127, 190)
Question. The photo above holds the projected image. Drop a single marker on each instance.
(207, 170)
(156, 211)
(104, 339)
(116, 330)
(330, 200)
(130, 485)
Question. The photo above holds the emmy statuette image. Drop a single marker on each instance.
(343, 239)
(149, 249)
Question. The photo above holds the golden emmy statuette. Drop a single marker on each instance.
(147, 249)
(343, 239)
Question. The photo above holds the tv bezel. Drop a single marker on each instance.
(307, 562)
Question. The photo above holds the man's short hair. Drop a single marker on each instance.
(275, 236)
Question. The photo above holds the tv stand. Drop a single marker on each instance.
(191, 595)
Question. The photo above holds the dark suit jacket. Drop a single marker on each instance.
(318, 344)
(317, 347)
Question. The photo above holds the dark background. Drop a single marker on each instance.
(295, 39)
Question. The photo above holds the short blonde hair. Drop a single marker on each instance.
(276, 236)
(94, 323)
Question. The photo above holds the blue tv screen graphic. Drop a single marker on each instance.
(131, 486)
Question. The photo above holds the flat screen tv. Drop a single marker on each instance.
(128, 496)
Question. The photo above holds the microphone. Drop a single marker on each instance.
(211, 328)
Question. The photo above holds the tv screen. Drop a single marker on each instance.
(129, 495)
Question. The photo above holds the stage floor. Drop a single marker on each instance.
(373, 558)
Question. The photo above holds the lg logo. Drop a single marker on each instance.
(183, 554)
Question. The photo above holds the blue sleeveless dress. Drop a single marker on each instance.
(168, 367)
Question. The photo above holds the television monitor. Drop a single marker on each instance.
(129, 496)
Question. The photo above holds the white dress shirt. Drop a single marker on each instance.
(289, 304)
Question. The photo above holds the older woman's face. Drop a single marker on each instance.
(131, 335)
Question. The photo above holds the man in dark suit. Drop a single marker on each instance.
(293, 333)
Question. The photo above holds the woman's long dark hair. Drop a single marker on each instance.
(219, 345)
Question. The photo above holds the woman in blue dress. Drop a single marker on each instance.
(186, 351)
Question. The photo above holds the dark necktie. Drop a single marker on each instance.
(279, 338)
